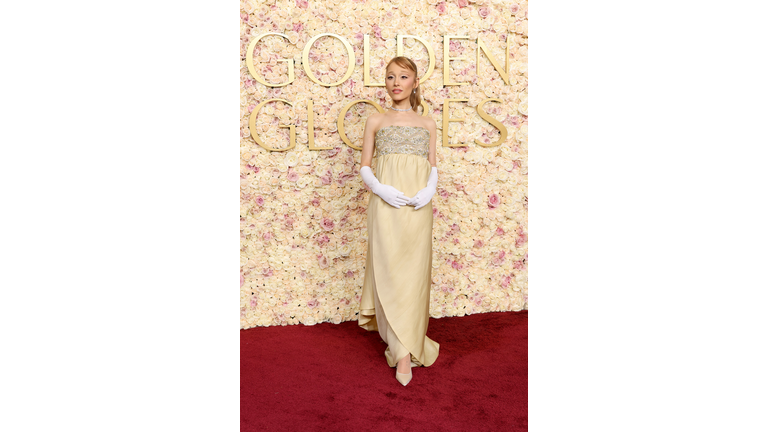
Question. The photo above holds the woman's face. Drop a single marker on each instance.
(400, 82)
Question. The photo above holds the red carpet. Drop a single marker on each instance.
(330, 377)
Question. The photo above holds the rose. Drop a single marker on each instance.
(493, 201)
(523, 108)
(291, 159)
(483, 12)
(327, 224)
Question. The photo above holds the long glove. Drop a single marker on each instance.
(392, 196)
(424, 196)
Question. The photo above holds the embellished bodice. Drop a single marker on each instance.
(403, 140)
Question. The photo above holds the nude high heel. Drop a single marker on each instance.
(404, 379)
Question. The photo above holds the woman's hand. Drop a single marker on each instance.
(388, 193)
(392, 196)
(424, 196)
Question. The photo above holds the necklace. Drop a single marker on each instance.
(401, 110)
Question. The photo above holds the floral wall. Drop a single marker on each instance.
(303, 212)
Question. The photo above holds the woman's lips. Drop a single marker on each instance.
(396, 91)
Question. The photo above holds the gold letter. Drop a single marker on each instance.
(429, 51)
(311, 127)
(504, 73)
(340, 122)
(447, 119)
(424, 108)
(252, 69)
(350, 55)
(367, 64)
(447, 59)
(492, 121)
(252, 127)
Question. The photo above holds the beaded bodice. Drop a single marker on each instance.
(402, 139)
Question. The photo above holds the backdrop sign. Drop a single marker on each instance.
(481, 47)
(311, 72)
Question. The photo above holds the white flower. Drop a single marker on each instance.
(291, 159)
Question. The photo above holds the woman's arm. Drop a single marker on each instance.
(432, 127)
(368, 136)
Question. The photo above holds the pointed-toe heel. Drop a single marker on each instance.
(404, 379)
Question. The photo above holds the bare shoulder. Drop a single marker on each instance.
(429, 124)
(374, 121)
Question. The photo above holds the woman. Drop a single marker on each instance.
(398, 279)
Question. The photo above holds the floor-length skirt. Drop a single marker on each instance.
(398, 278)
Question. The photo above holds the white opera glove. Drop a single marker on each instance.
(424, 196)
(388, 193)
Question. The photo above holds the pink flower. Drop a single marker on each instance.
(499, 231)
(298, 27)
(242, 279)
(463, 3)
(266, 272)
(313, 303)
(322, 261)
(522, 237)
(377, 30)
(514, 8)
(302, 4)
(440, 8)
(267, 236)
(483, 12)
(493, 201)
(259, 201)
(326, 224)
(478, 243)
(253, 302)
(293, 175)
(323, 240)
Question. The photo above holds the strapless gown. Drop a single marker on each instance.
(398, 278)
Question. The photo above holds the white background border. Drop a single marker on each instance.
(119, 180)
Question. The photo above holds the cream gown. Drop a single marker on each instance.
(398, 278)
